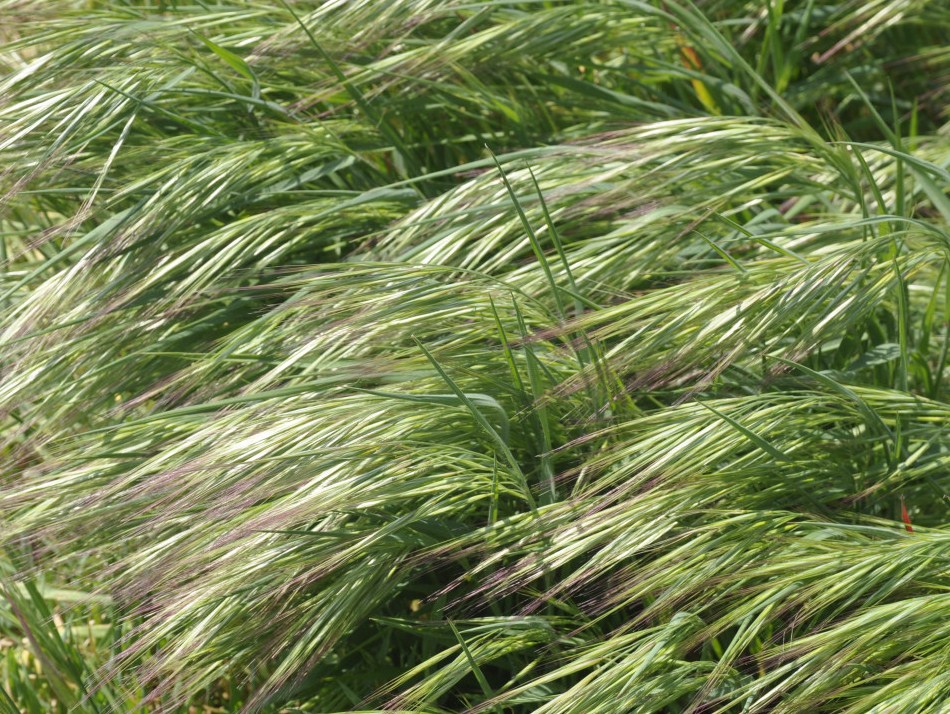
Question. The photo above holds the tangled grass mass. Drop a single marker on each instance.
(488, 356)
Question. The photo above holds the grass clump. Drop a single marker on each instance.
(436, 357)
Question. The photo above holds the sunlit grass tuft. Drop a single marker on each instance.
(494, 357)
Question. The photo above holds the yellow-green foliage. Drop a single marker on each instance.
(440, 356)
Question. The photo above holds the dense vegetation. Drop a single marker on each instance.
(436, 356)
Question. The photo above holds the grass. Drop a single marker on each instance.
(474, 356)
